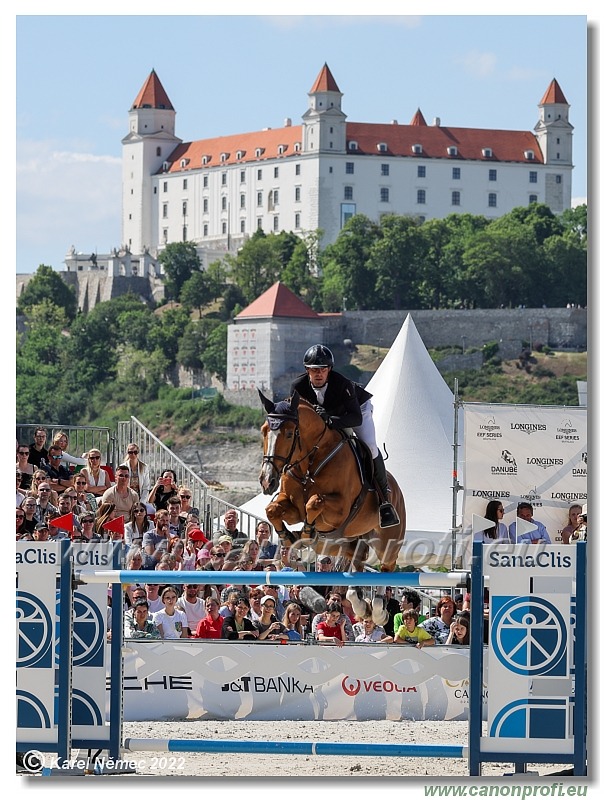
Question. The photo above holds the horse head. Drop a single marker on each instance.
(280, 435)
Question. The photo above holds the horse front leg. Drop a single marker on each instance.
(280, 511)
(330, 507)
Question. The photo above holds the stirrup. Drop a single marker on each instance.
(388, 516)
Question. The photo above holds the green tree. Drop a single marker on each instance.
(47, 284)
(395, 261)
(257, 265)
(165, 337)
(197, 291)
(346, 279)
(180, 261)
(215, 352)
(193, 343)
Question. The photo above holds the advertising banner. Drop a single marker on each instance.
(254, 681)
(531, 659)
(534, 454)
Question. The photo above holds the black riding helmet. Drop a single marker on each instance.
(318, 356)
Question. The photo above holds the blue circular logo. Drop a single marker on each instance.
(34, 632)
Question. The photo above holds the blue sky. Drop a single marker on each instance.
(77, 76)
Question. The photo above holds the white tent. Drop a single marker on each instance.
(414, 418)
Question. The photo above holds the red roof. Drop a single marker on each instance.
(278, 301)
(554, 94)
(325, 82)
(152, 95)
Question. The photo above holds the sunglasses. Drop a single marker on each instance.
(43, 489)
(186, 496)
(132, 452)
(23, 452)
(94, 458)
(80, 483)
(269, 605)
(20, 516)
(52, 455)
(218, 555)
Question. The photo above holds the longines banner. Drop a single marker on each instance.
(224, 680)
(536, 454)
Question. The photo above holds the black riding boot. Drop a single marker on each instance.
(388, 515)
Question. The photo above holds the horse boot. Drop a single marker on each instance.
(388, 516)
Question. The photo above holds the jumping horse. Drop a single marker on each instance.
(319, 483)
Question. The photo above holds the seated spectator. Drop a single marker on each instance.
(226, 543)
(43, 507)
(175, 521)
(581, 532)
(292, 619)
(86, 532)
(439, 625)
(269, 626)
(55, 534)
(185, 496)
(171, 621)
(568, 532)
(22, 531)
(228, 601)
(37, 449)
(134, 559)
(105, 513)
(139, 626)
(459, 633)
(332, 630)
(140, 480)
(58, 476)
(28, 506)
(121, 494)
(372, 633)
(306, 611)
(250, 550)
(176, 548)
(498, 532)
(97, 479)
(155, 601)
(409, 632)
(538, 536)
(287, 556)
(263, 535)
(229, 527)
(138, 525)
(210, 627)
(164, 488)
(238, 626)
(155, 542)
(278, 594)
(20, 495)
(42, 532)
(61, 440)
(203, 557)
(192, 605)
(38, 478)
(24, 467)
(324, 563)
(255, 596)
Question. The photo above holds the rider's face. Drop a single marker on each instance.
(318, 376)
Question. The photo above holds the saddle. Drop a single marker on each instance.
(362, 454)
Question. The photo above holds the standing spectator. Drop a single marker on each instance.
(37, 450)
(210, 627)
(97, 479)
(571, 526)
(410, 600)
(332, 630)
(539, 536)
(121, 494)
(58, 476)
(61, 440)
(43, 506)
(165, 487)
(138, 525)
(439, 626)
(171, 621)
(190, 603)
(140, 480)
(24, 466)
(392, 607)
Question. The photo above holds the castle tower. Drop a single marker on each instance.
(324, 123)
(146, 147)
(555, 136)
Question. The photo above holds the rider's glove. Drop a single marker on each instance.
(323, 414)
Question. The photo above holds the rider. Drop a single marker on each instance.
(344, 404)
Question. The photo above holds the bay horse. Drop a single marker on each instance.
(319, 484)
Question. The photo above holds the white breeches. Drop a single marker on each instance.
(366, 430)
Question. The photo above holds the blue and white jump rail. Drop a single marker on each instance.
(537, 698)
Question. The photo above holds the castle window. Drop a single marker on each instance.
(276, 172)
(184, 184)
(533, 198)
(205, 205)
(350, 167)
(384, 195)
(421, 196)
(492, 200)
(492, 174)
(421, 171)
(455, 198)
(223, 203)
(348, 193)
(165, 186)
(297, 169)
(275, 223)
(223, 178)
(297, 194)
(385, 170)
(164, 211)
(259, 199)
(456, 173)
(297, 221)
(532, 177)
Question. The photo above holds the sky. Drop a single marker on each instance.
(77, 76)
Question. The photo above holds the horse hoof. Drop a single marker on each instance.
(378, 612)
